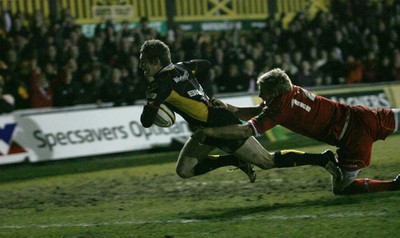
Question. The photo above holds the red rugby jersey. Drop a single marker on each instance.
(304, 113)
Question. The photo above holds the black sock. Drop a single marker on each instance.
(292, 158)
(213, 162)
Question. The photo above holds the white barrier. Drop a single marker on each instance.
(53, 135)
(40, 135)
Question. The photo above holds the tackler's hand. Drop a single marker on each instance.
(219, 103)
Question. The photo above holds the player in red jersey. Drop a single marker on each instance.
(178, 86)
(352, 129)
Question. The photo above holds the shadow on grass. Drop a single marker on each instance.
(24, 171)
(217, 214)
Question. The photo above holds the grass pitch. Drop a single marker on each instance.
(139, 195)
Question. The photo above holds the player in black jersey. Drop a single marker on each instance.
(177, 85)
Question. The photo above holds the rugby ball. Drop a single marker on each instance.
(165, 117)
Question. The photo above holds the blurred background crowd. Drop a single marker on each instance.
(47, 63)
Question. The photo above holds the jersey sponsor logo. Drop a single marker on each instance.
(303, 105)
(371, 99)
(195, 92)
(181, 78)
(300, 104)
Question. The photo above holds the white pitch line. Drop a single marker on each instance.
(185, 221)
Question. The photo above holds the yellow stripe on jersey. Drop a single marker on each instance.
(213, 157)
(192, 108)
(294, 151)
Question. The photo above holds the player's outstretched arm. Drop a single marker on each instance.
(246, 113)
(226, 132)
(243, 113)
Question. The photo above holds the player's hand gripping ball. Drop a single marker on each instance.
(165, 117)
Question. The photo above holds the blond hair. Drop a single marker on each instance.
(276, 82)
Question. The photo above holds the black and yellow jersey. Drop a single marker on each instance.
(178, 87)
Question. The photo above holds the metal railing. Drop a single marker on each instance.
(94, 11)
(194, 10)
(27, 7)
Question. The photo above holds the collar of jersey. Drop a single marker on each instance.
(168, 67)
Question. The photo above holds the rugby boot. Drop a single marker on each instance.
(397, 179)
(333, 167)
(248, 169)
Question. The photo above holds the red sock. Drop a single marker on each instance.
(364, 185)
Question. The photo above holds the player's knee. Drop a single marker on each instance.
(183, 172)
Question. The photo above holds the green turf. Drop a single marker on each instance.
(139, 195)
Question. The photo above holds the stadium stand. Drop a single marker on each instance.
(47, 61)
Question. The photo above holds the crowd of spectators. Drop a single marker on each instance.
(53, 64)
(356, 42)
